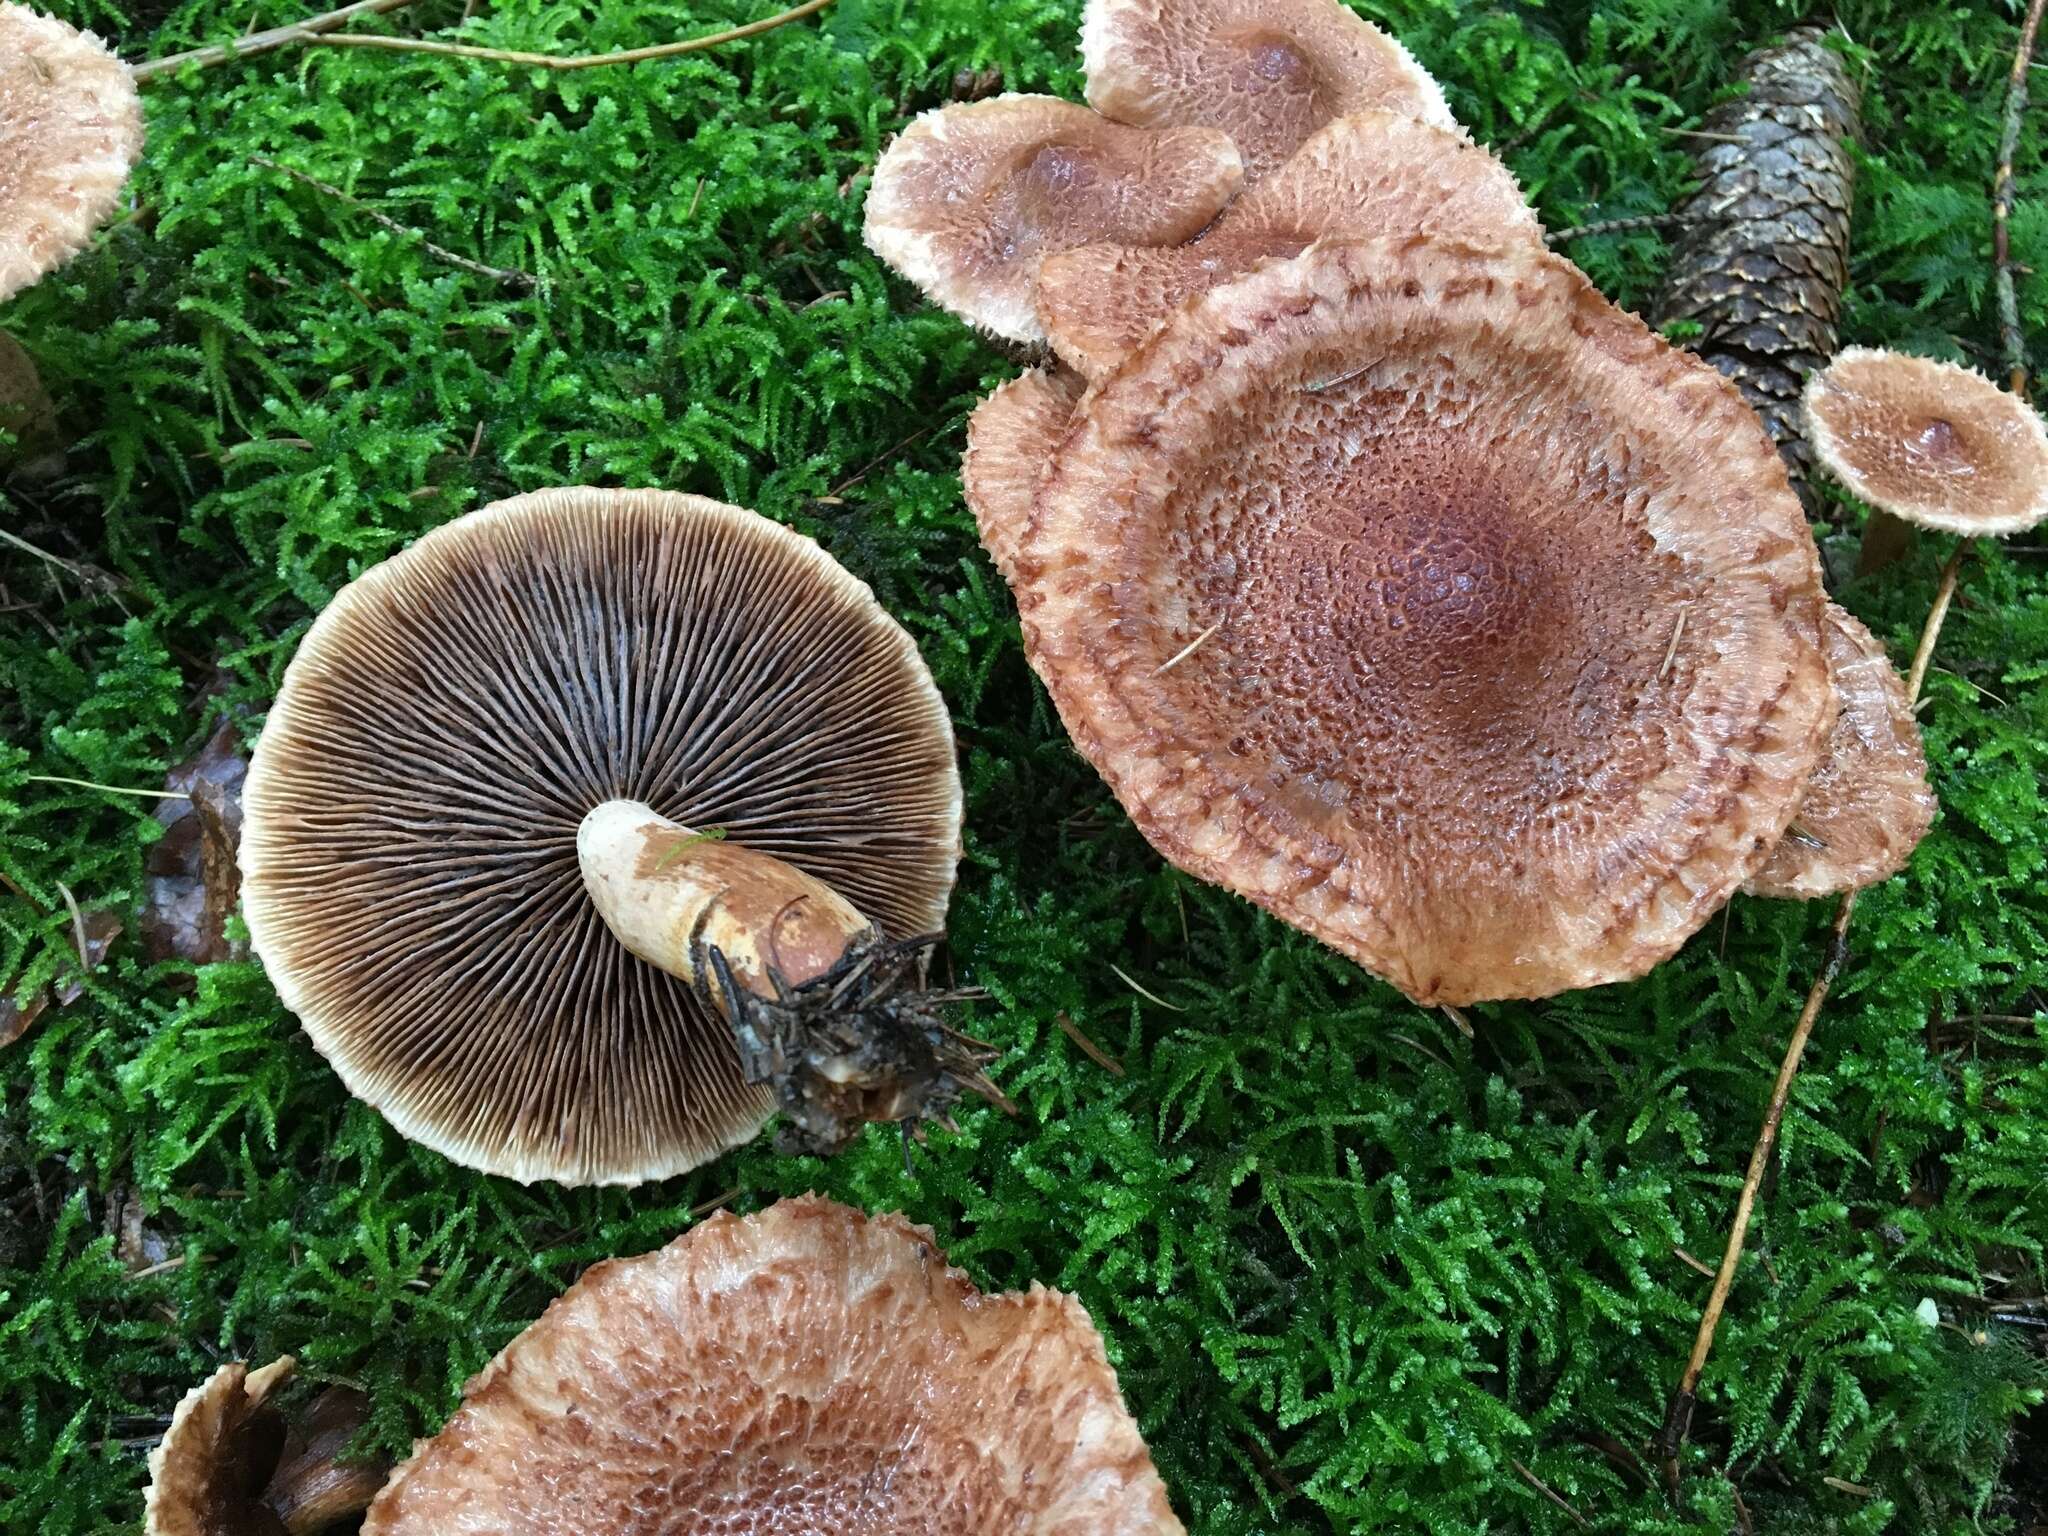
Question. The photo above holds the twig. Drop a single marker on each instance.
(501, 274)
(77, 929)
(111, 789)
(1678, 1414)
(2009, 334)
(1671, 650)
(1640, 224)
(558, 62)
(1691, 1262)
(1089, 1048)
(1457, 1017)
(1190, 648)
(262, 42)
(1547, 1491)
(89, 576)
(1150, 997)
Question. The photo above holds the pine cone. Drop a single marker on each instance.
(1762, 268)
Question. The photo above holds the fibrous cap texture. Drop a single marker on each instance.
(200, 1472)
(1364, 175)
(1267, 72)
(409, 857)
(70, 131)
(971, 196)
(1868, 804)
(805, 1372)
(1930, 442)
(1423, 597)
(1012, 438)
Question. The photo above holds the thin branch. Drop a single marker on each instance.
(1633, 226)
(262, 42)
(1678, 1414)
(500, 274)
(110, 789)
(559, 62)
(2010, 336)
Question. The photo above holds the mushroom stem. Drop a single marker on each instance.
(673, 895)
(820, 1005)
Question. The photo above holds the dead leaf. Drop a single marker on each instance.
(137, 1246)
(15, 1018)
(194, 882)
(100, 929)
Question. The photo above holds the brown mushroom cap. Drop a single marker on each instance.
(970, 196)
(1421, 596)
(1369, 174)
(207, 1473)
(70, 131)
(806, 1370)
(1929, 442)
(1267, 72)
(409, 855)
(1868, 804)
(1011, 439)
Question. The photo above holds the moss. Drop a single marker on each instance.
(1358, 1272)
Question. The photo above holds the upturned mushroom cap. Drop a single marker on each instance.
(1011, 440)
(1421, 596)
(805, 1371)
(1267, 72)
(1362, 176)
(1929, 442)
(70, 131)
(971, 196)
(206, 1474)
(409, 859)
(1868, 804)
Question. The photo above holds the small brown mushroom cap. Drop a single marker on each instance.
(971, 196)
(1421, 596)
(1933, 443)
(409, 857)
(1868, 804)
(70, 131)
(1012, 438)
(1267, 72)
(806, 1370)
(1358, 177)
(207, 1473)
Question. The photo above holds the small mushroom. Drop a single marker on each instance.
(809, 1369)
(1012, 438)
(70, 131)
(1868, 804)
(419, 833)
(1368, 174)
(971, 196)
(233, 1464)
(1267, 72)
(1423, 597)
(1929, 442)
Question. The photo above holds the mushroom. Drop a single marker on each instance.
(1372, 173)
(539, 701)
(808, 1369)
(1439, 607)
(233, 1464)
(1267, 72)
(970, 196)
(1929, 442)
(70, 131)
(1868, 804)
(1011, 438)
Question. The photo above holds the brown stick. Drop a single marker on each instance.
(2009, 334)
(558, 62)
(511, 275)
(262, 42)
(1678, 1413)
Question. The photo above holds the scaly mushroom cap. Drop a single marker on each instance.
(1929, 442)
(409, 859)
(971, 196)
(1359, 177)
(206, 1475)
(1421, 596)
(70, 131)
(1011, 439)
(1267, 72)
(802, 1372)
(1868, 805)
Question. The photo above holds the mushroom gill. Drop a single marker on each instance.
(803, 1372)
(1421, 596)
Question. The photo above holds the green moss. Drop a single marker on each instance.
(1357, 1272)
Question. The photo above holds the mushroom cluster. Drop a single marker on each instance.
(597, 823)
(1389, 574)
